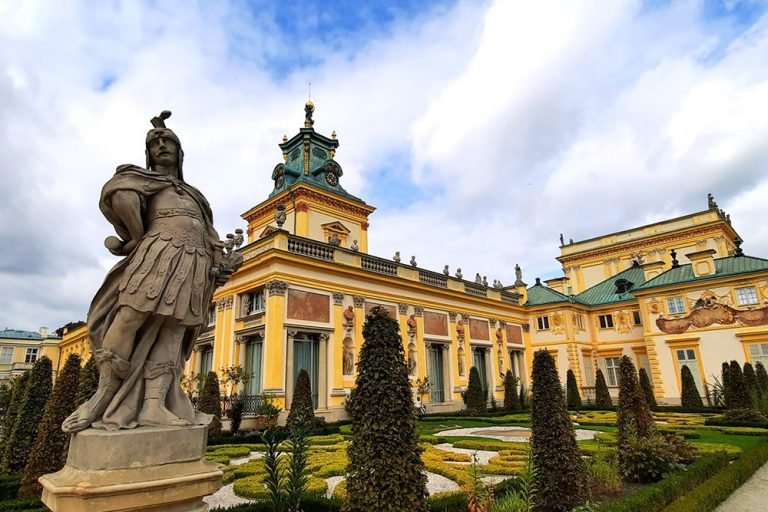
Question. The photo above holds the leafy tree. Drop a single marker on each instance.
(89, 381)
(9, 420)
(561, 472)
(210, 402)
(689, 395)
(302, 413)
(633, 413)
(645, 385)
(511, 399)
(572, 391)
(740, 398)
(602, 395)
(30, 413)
(384, 427)
(48, 454)
(474, 396)
(727, 386)
(762, 377)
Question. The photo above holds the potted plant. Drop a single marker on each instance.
(266, 413)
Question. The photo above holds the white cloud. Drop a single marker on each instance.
(517, 120)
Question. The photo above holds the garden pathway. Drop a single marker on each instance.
(749, 497)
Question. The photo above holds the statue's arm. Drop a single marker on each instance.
(127, 205)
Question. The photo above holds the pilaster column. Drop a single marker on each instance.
(339, 333)
(322, 373)
(359, 303)
(289, 377)
(274, 349)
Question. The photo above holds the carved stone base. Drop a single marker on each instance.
(147, 468)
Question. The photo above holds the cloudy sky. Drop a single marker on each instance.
(480, 130)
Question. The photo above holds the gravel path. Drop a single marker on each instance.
(252, 456)
(492, 432)
(225, 497)
(332, 483)
(435, 484)
(750, 496)
(483, 456)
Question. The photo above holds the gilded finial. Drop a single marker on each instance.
(333, 134)
(332, 153)
(309, 109)
(285, 138)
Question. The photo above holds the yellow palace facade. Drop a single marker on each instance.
(670, 294)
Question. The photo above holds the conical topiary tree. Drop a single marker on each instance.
(727, 386)
(89, 381)
(9, 420)
(689, 395)
(302, 409)
(48, 454)
(511, 398)
(762, 377)
(740, 398)
(561, 474)
(572, 391)
(602, 395)
(633, 413)
(750, 379)
(645, 385)
(474, 397)
(30, 413)
(384, 427)
(210, 402)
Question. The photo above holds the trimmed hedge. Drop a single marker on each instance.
(714, 491)
(9, 487)
(657, 496)
(25, 504)
(445, 502)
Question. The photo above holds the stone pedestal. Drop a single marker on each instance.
(147, 469)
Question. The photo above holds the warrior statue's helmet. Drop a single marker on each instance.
(160, 130)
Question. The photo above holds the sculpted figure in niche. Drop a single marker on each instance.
(349, 315)
(460, 328)
(411, 359)
(348, 363)
(411, 323)
(145, 318)
(498, 335)
(461, 362)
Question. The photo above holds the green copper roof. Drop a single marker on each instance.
(539, 294)
(609, 291)
(309, 158)
(731, 265)
(20, 335)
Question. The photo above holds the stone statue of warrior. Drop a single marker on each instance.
(143, 321)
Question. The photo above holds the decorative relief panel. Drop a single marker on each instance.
(390, 309)
(312, 307)
(707, 312)
(435, 323)
(479, 330)
(514, 334)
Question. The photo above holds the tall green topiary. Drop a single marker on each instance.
(727, 386)
(602, 395)
(302, 413)
(89, 381)
(561, 472)
(572, 391)
(762, 377)
(750, 379)
(9, 420)
(645, 385)
(474, 396)
(210, 402)
(633, 413)
(30, 413)
(48, 455)
(740, 398)
(385, 472)
(689, 395)
(511, 398)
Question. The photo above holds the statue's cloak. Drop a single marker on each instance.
(125, 406)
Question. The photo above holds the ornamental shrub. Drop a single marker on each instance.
(89, 381)
(30, 412)
(511, 399)
(740, 398)
(302, 413)
(236, 414)
(572, 391)
(745, 417)
(727, 387)
(48, 455)
(561, 472)
(633, 415)
(210, 403)
(645, 385)
(384, 427)
(602, 396)
(474, 397)
(525, 401)
(750, 379)
(762, 377)
(689, 395)
(17, 394)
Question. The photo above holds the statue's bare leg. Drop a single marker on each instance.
(159, 372)
(112, 359)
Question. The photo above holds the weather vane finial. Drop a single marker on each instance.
(309, 108)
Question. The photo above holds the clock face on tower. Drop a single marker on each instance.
(331, 178)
